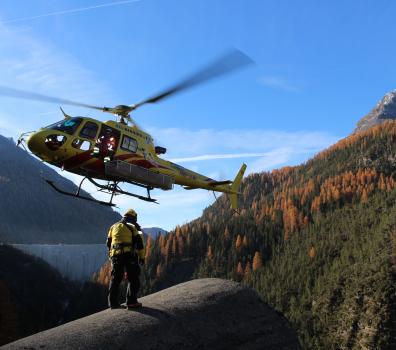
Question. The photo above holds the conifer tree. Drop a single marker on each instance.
(248, 270)
(149, 245)
(312, 252)
(239, 272)
(257, 261)
(238, 242)
(209, 253)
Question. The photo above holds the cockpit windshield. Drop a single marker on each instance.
(68, 126)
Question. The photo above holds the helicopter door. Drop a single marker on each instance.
(107, 143)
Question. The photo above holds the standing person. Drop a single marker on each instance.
(126, 252)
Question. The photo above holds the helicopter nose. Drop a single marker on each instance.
(47, 145)
(35, 144)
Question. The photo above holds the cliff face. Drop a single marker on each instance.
(32, 212)
(201, 314)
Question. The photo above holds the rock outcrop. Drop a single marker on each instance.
(200, 314)
(384, 110)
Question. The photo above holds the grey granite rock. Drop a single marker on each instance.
(199, 314)
(384, 110)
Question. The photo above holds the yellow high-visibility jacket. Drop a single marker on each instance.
(125, 240)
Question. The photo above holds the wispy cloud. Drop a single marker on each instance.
(64, 12)
(9, 126)
(216, 157)
(279, 157)
(278, 83)
(234, 143)
(28, 63)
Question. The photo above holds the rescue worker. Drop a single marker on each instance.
(126, 252)
(105, 146)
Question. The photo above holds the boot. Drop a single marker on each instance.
(135, 305)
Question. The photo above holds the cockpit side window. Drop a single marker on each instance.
(129, 144)
(89, 130)
(68, 126)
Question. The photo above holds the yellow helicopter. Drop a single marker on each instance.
(119, 151)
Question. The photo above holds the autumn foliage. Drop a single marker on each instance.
(287, 239)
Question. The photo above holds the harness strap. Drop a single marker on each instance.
(121, 245)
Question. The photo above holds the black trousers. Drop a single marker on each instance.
(120, 263)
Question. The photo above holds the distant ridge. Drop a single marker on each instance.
(32, 212)
(154, 231)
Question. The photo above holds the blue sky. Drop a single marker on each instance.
(320, 66)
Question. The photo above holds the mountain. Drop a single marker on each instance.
(384, 110)
(202, 314)
(317, 241)
(32, 212)
(154, 231)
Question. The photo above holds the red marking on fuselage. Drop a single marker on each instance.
(76, 163)
(77, 160)
(127, 156)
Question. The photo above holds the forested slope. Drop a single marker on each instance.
(35, 297)
(317, 241)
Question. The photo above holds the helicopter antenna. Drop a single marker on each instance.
(64, 114)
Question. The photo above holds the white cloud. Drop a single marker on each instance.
(75, 10)
(216, 157)
(183, 143)
(28, 63)
(276, 158)
(10, 126)
(278, 83)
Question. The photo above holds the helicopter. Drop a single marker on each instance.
(120, 151)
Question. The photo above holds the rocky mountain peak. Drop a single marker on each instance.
(383, 110)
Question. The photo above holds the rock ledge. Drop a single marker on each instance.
(200, 314)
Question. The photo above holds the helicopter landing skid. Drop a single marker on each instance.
(77, 195)
(112, 189)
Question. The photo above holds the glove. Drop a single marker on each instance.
(141, 262)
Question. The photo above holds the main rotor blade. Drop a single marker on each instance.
(227, 63)
(27, 95)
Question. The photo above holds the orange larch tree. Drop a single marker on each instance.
(257, 261)
(248, 270)
(239, 272)
(149, 245)
(209, 253)
(238, 242)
